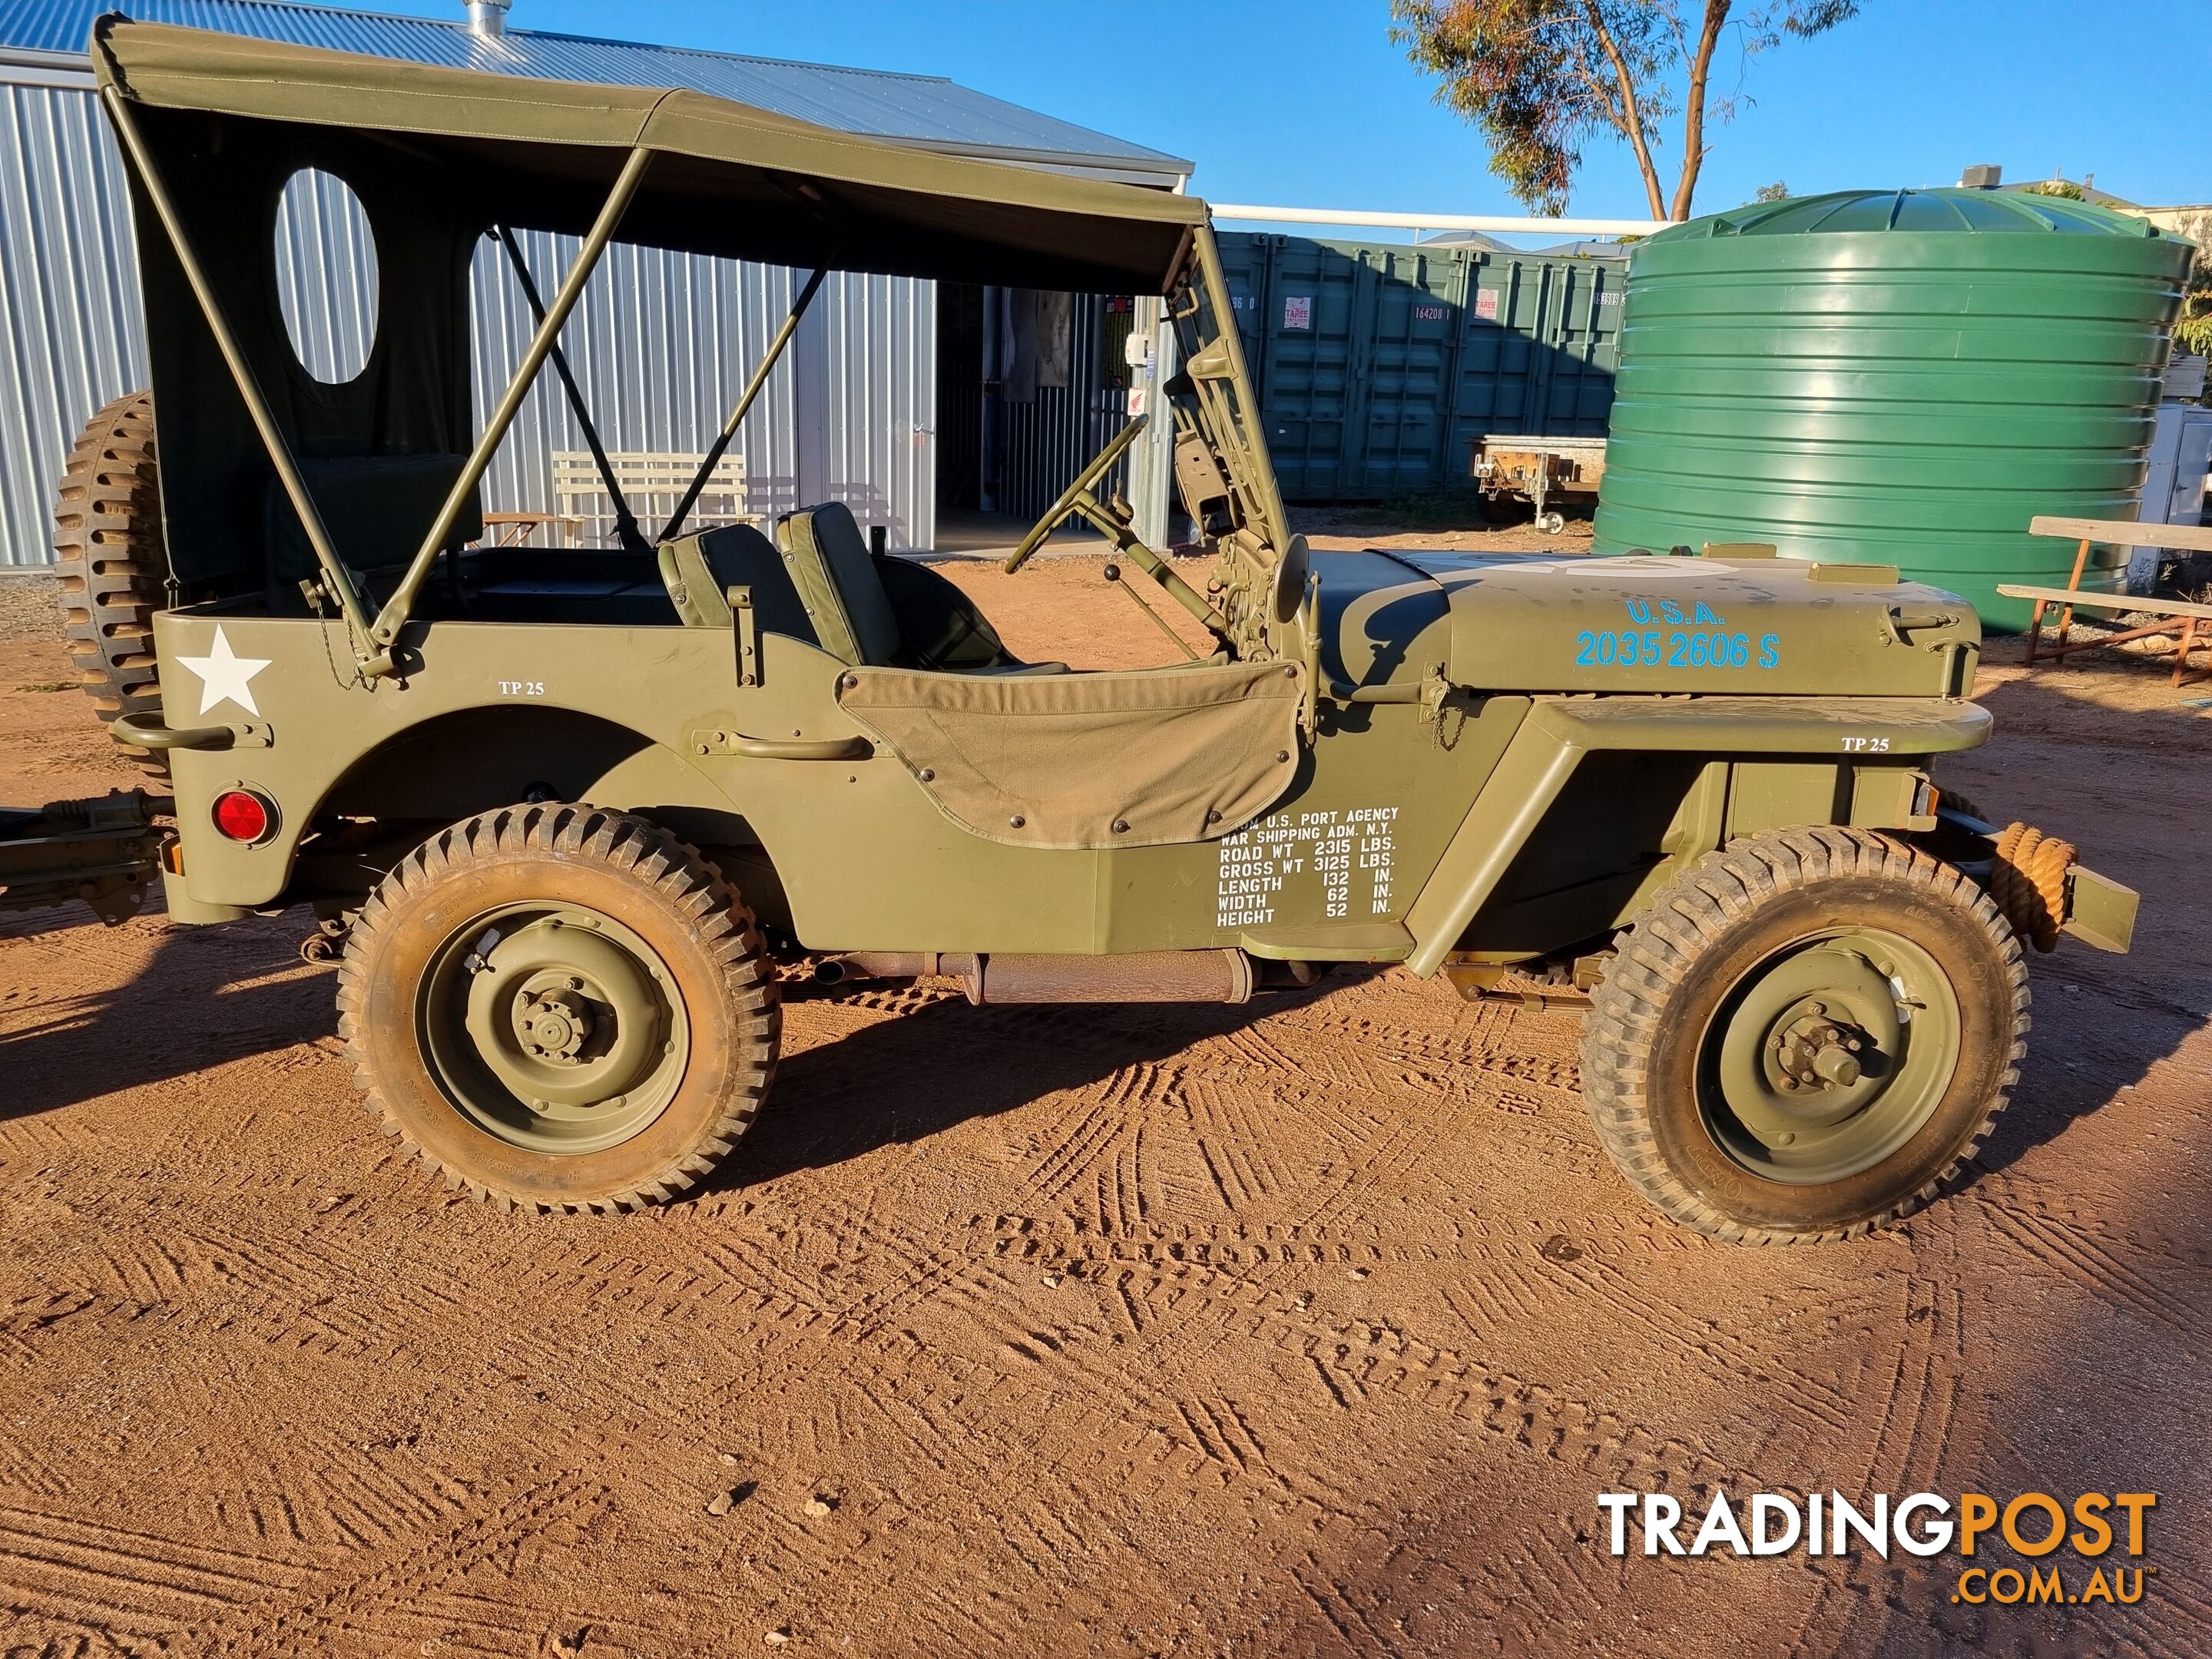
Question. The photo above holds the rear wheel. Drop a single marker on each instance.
(560, 1008)
(113, 561)
(1805, 1036)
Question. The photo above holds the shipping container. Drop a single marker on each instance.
(1379, 366)
(1539, 342)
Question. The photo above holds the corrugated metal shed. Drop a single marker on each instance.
(661, 342)
(923, 109)
(70, 334)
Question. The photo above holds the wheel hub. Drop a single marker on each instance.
(554, 1027)
(554, 1024)
(1815, 1052)
(1818, 1070)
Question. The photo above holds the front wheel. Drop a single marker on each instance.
(560, 1008)
(1805, 1036)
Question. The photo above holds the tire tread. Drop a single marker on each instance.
(1664, 940)
(111, 564)
(622, 841)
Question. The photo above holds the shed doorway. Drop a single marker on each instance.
(1030, 385)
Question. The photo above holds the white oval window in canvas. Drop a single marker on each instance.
(326, 275)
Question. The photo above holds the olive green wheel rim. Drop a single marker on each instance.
(1829, 1055)
(553, 1027)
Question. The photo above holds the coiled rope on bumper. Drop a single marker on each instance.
(2028, 878)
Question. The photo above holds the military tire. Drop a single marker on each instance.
(113, 564)
(560, 1008)
(1805, 1036)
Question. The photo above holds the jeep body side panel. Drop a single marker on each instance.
(863, 860)
(314, 721)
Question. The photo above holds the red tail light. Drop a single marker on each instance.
(241, 815)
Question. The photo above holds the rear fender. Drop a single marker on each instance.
(451, 767)
(489, 714)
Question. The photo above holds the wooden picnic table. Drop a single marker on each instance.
(2182, 618)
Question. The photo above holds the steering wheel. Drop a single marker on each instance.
(1116, 446)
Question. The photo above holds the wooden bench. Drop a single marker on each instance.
(2181, 618)
(652, 482)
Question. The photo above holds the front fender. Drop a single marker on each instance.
(1561, 732)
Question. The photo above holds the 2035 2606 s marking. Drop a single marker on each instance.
(1805, 1036)
(560, 1007)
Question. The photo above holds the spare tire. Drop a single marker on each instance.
(113, 563)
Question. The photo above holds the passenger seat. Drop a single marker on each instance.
(698, 571)
(842, 592)
(829, 562)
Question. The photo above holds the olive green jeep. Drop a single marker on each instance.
(571, 815)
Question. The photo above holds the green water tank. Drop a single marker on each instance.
(1898, 377)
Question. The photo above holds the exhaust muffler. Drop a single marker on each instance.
(1224, 975)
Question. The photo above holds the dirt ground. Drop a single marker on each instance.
(1315, 1327)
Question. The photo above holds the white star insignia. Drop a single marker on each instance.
(224, 676)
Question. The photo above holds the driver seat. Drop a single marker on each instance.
(855, 616)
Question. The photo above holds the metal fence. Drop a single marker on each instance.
(661, 344)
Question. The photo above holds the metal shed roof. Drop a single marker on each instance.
(924, 110)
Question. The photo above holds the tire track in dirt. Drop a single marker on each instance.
(939, 1412)
(422, 1592)
(91, 1575)
(1244, 1175)
(1359, 1361)
(27, 1472)
(1211, 1447)
(1066, 1154)
(1063, 1369)
(1338, 1610)
(1411, 1139)
(1730, 1358)
(2079, 1258)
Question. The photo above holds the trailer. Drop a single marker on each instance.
(106, 851)
(1539, 470)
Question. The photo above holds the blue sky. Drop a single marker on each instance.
(1306, 102)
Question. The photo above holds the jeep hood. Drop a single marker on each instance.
(1643, 624)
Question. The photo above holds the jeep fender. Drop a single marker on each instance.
(1561, 731)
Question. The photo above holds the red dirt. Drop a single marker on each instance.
(1315, 1328)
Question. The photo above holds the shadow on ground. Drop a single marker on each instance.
(203, 997)
(899, 1080)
